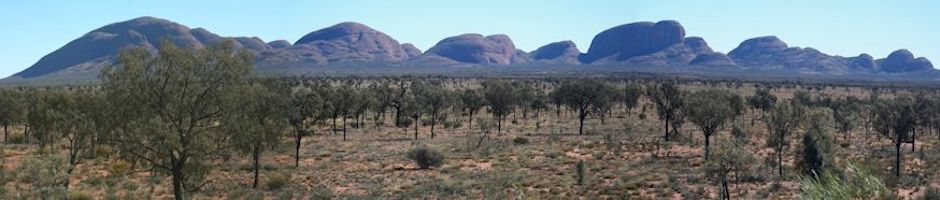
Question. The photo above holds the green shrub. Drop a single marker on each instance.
(520, 140)
(76, 195)
(854, 183)
(931, 193)
(276, 181)
(580, 168)
(405, 122)
(120, 167)
(426, 158)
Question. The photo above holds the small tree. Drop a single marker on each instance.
(729, 164)
(471, 101)
(258, 123)
(762, 100)
(631, 97)
(895, 119)
(434, 101)
(304, 104)
(668, 100)
(11, 111)
(500, 96)
(816, 152)
(710, 110)
(176, 99)
(783, 119)
(590, 97)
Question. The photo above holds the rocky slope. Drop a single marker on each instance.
(100, 46)
(772, 53)
(662, 43)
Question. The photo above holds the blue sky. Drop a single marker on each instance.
(32, 29)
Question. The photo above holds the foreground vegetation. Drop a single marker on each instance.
(195, 124)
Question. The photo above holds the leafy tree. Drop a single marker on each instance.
(11, 110)
(782, 119)
(762, 100)
(471, 102)
(668, 100)
(434, 100)
(896, 120)
(710, 110)
(259, 121)
(846, 115)
(304, 104)
(590, 97)
(815, 155)
(177, 97)
(340, 105)
(500, 96)
(729, 164)
(632, 95)
(413, 108)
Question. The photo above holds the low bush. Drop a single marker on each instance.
(426, 158)
(76, 195)
(276, 181)
(520, 140)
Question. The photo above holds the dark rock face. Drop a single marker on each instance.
(411, 50)
(904, 61)
(712, 59)
(635, 39)
(474, 48)
(770, 52)
(279, 44)
(565, 50)
(354, 41)
(101, 46)
(863, 62)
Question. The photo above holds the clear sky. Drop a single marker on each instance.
(34, 28)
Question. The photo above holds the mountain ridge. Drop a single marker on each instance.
(662, 43)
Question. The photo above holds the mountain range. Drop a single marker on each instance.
(647, 44)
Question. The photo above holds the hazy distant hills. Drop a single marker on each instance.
(640, 44)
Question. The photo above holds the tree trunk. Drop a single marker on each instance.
(666, 124)
(897, 158)
(707, 138)
(344, 128)
(499, 125)
(177, 172)
(397, 117)
(416, 128)
(913, 137)
(6, 133)
(470, 126)
(780, 159)
(256, 155)
(581, 117)
(297, 138)
(433, 122)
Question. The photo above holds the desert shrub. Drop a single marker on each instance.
(405, 122)
(931, 193)
(452, 124)
(426, 158)
(580, 169)
(17, 139)
(854, 183)
(76, 195)
(120, 167)
(520, 140)
(276, 181)
(44, 174)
